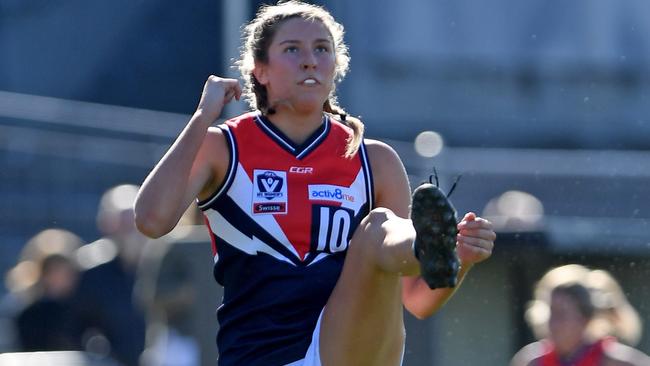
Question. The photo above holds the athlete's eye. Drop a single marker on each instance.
(291, 49)
(322, 49)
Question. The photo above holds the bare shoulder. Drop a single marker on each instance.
(619, 354)
(215, 149)
(389, 177)
(214, 154)
(215, 138)
(382, 156)
(378, 147)
(215, 135)
(528, 355)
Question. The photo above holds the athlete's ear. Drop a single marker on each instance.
(260, 73)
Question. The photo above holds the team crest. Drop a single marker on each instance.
(269, 192)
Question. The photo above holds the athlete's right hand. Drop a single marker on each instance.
(217, 92)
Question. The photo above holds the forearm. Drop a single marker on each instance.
(166, 192)
(423, 302)
(475, 241)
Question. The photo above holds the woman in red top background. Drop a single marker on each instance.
(580, 314)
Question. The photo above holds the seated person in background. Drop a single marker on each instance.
(34, 285)
(580, 315)
(49, 323)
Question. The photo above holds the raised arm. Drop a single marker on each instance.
(474, 241)
(192, 167)
(474, 244)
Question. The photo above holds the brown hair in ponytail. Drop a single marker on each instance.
(354, 123)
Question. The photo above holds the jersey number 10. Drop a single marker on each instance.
(334, 225)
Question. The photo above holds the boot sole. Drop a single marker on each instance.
(435, 222)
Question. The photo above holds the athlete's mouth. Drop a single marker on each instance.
(309, 81)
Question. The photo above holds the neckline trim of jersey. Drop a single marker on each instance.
(297, 150)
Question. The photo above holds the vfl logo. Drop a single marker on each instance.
(269, 192)
(269, 185)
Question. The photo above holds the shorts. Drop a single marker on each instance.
(312, 356)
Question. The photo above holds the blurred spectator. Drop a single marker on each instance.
(39, 277)
(113, 323)
(49, 323)
(580, 315)
(172, 276)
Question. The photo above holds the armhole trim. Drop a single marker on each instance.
(367, 172)
(230, 174)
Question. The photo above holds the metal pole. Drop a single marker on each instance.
(236, 14)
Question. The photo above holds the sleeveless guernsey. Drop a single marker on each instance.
(280, 226)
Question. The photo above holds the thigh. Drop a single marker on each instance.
(362, 323)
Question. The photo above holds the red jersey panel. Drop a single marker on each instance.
(306, 196)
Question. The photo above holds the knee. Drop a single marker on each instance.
(372, 231)
(379, 214)
(375, 220)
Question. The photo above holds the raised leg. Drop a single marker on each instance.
(363, 320)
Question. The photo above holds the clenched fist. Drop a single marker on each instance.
(217, 92)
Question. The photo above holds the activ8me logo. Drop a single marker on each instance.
(326, 192)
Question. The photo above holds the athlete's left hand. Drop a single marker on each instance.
(475, 239)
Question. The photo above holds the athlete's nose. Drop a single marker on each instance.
(308, 61)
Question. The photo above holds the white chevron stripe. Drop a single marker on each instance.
(358, 187)
(241, 192)
(240, 241)
(318, 258)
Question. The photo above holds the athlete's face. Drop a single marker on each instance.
(567, 324)
(301, 64)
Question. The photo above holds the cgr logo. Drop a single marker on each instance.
(269, 185)
(301, 170)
